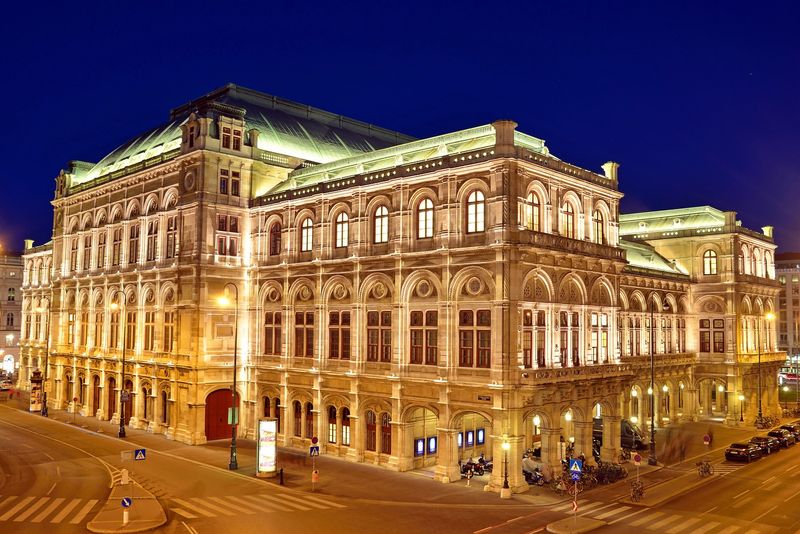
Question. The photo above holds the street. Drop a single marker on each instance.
(56, 476)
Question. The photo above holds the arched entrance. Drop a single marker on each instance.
(217, 404)
(424, 437)
(474, 436)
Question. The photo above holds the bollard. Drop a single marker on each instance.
(125, 516)
(280, 475)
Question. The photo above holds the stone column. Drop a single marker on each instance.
(447, 469)
(612, 428)
(583, 440)
(551, 448)
(402, 438)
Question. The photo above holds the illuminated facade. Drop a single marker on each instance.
(787, 267)
(409, 302)
(10, 311)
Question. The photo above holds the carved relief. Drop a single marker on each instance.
(424, 289)
(474, 286)
(304, 294)
(379, 291)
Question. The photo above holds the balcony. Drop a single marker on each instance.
(766, 357)
(575, 246)
(533, 377)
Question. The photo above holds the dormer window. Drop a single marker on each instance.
(226, 137)
(237, 139)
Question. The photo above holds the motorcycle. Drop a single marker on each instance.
(487, 464)
(535, 478)
(475, 467)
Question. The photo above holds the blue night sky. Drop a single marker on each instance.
(698, 101)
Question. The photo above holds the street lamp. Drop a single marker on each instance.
(123, 322)
(651, 460)
(46, 355)
(769, 316)
(741, 408)
(786, 397)
(506, 446)
(225, 302)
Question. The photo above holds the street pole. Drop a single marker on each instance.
(123, 322)
(233, 463)
(651, 460)
(758, 342)
(46, 360)
(796, 385)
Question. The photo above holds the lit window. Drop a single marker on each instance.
(342, 230)
(275, 239)
(709, 262)
(568, 220)
(531, 216)
(598, 234)
(306, 234)
(475, 212)
(381, 225)
(425, 219)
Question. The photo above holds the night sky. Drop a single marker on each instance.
(698, 101)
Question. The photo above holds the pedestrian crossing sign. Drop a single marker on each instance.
(575, 466)
(139, 454)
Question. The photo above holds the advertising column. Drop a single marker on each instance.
(266, 452)
(36, 392)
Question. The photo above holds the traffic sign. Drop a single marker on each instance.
(637, 459)
(314, 440)
(575, 466)
(140, 454)
(313, 450)
(576, 476)
(126, 502)
(74, 399)
(574, 506)
(706, 440)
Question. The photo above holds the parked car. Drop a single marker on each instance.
(768, 444)
(784, 436)
(743, 451)
(792, 429)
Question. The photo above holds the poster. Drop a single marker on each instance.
(267, 450)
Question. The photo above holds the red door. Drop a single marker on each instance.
(217, 404)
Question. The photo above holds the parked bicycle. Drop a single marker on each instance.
(624, 455)
(704, 468)
(637, 490)
(766, 421)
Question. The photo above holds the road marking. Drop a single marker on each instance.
(792, 496)
(305, 501)
(85, 510)
(640, 511)
(742, 493)
(66, 510)
(185, 514)
(710, 510)
(770, 478)
(272, 507)
(51, 458)
(664, 522)
(646, 519)
(213, 507)
(326, 503)
(232, 504)
(743, 502)
(598, 509)
(52, 488)
(8, 500)
(47, 511)
(706, 527)
(29, 512)
(23, 503)
(247, 504)
(730, 530)
(290, 504)
(686, 524)
(193, 508)
(765, 513)
(615, 511)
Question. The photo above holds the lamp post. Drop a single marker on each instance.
(224, 301)
(652, 460)
(741, 408)
(768, 317)
(123, 322)
(786, 398)
(46, 356)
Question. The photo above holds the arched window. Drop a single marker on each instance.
(306, 235)
(598, 233)
(386, 433)
(709, 262)
(476, 211)
(267, 407)
(164, 407)
(425, 219)
(755, 260)
(533, 209)
(332, 424)
(568, 220)
(298, 418)
(9, 319)
(371, 431)
(346, 426)
(278, 413)
(342, 230)
(309, 420)
(381, 225)
(766, 266)
(275, 239)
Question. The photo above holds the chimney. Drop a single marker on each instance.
(28, 244)
(504, 136)
(610, 169)
(767, 230)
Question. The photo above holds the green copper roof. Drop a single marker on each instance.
(467, 140)
(650, 222)
(645, 257)
(285, 127)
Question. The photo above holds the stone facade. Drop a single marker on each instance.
(10, 311)
(411, 306)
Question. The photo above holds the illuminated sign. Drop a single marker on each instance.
(267, 447)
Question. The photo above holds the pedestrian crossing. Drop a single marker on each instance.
(655, 520)
(206, 507)
(54, 510)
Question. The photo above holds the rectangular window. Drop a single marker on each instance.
(424, 337)
(87, 252)
(475, 338)
(169, 331)
(272, 333)
(339, 335)
(73, 255)
(84, 337)
(116, 246)
(227, 245)
(172, 237)
(226, 137)
(719, 341)
(149, 330)
(152, 240)
(304, 334)
(237, 139)
(98, 329)
(71, 328)
(133, 240)
(235, 184)
(130, 330)
(101, 250)
(114, 334)
(379, 336)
